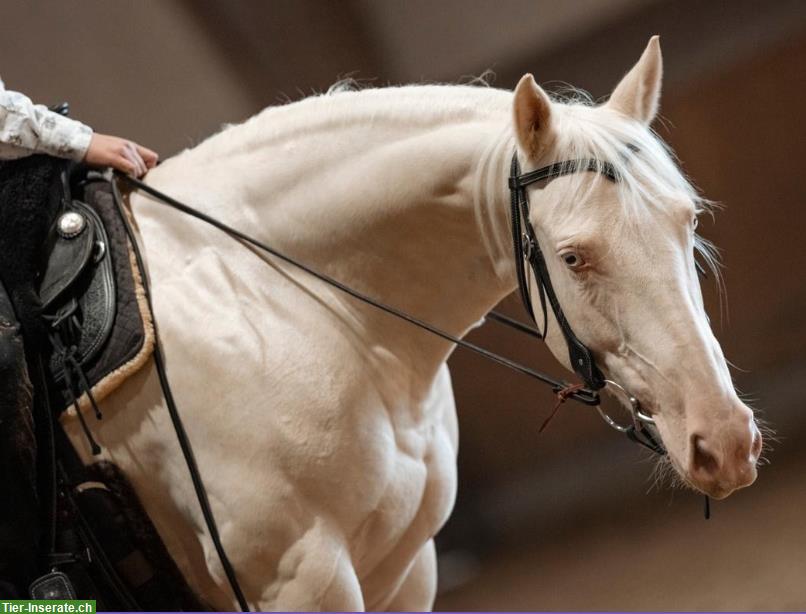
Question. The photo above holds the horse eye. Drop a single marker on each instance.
(572, 260)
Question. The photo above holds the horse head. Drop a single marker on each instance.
(621, 257)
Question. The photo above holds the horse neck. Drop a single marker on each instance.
(413, 214)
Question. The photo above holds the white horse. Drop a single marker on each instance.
(326, 430)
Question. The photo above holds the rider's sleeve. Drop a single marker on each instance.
(26, 128)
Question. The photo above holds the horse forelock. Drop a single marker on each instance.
(650, 178)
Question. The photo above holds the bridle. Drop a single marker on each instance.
(526, 248)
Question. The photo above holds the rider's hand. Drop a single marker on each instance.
(125, 156)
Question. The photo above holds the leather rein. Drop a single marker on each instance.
(526, 248)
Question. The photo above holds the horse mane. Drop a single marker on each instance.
(649, 170)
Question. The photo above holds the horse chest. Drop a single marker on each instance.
(416, 488)
(420, 473)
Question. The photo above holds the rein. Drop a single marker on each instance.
(526, 247)
(584, 396)
(176, 419)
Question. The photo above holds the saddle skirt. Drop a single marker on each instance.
(92, 296)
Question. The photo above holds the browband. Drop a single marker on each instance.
(568, 167)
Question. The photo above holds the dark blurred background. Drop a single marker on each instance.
(567, 520)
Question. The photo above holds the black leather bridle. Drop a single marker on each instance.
(526, 248)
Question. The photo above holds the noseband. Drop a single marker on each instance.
(527, 249)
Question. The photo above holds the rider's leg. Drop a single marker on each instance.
(18, 513)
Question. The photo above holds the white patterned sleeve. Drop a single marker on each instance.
(26, 128)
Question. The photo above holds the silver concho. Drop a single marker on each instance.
(71, 224)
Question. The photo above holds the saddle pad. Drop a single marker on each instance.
(131, 340)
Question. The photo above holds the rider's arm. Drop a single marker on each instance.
(26, 128)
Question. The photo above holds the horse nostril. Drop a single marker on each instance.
(703, 460)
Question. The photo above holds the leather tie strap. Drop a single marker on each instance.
(562, 396)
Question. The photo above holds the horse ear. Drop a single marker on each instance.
(532, 115)
(638, 94)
